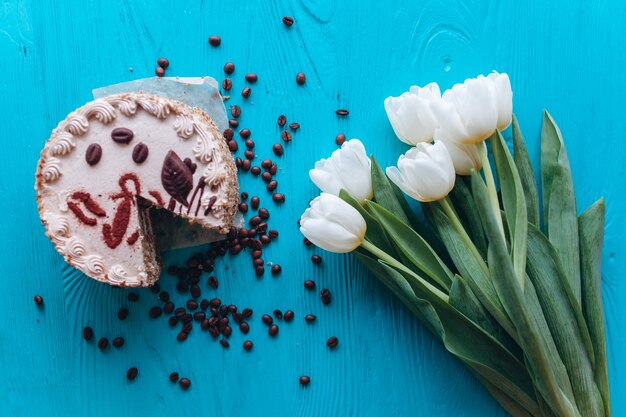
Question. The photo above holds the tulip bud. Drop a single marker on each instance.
(425, 172)
(347, 168)
(468, 112)
(410, 114)
(464, 157)
(332, 224)
(504, 98)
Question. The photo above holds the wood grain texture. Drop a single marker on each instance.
(560, 55)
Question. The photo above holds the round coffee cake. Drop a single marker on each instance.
(115, 161)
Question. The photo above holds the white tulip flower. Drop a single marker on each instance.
(464, 157)
(504, 98)
(410, 114)
(332, 224)
(468, 112)
(425, 172)
(347, 168)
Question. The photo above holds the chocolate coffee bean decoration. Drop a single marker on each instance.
(140, 153)
(93, 154)
(122, 135)
(176, 178)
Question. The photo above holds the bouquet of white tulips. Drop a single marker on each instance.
(514, 295)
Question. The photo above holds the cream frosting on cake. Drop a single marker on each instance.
(111, 162)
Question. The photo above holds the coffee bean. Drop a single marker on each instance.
(227, 84)
(195, 291)
(282, 120)
(223, 310)
(204, 304)
(103, 343)
(272, 233)
(267, 177)
(247, 345)
(256, 254)
(309, 284)
(278, 198)
(38, 300)
(286, 136)
(309, 318)
(245, 93)
(332, 342)
(87, 333)
(215, 40)
(273, 169)
(278, 149)
(326, 296)
(173, 321)
(155, 288)
(289, 315)
(173, 377)
(252, 78)
(227, 331)
(214, 332)
(192, 305)
(244, 327)
(305, 380)
(288, 21)
(215, 302)
(245, 165)
(254, 202)
(243, 207)
(132, 373)
(229, 68)
(267, 319)
(93, 154)
(122, 135)
(276, 269)
(155, 312)
(232, 146)
(278, 314)
(247, 312)
(273, 330)
(306, 241)
(340, 139)
(159, 71)
(235, 111)
(213, 283)
(168, 308)
(245, 133)
(163, 63)
(140, 153)
(265, 239)
(342, 112)
(224, 343)
(182, 336)
(249, 143)
(300, 78)
(316, 259)
(249, 155)
(118, 342)
(294, 126)
(182, 286)
(233, 123)
(184, 383)
(271, 186)
(244, 195)
(228, 134)
(264, 214)
(199, 316)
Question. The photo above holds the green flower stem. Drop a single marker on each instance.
(380, 254)
(491, 184)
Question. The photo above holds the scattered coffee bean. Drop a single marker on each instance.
(252, 78)
(132, 373)
(227, 84)
(271, 186)
(173, 377)
(276, 269)
(182, 336)
(38, 300)
(278, 197)
(168, 308)
(249, 143)
(255, 171)
(282, 120)
(273, 169)
(184, 383)
(93, 154)
(244, 327)
(164, 296)
(272, 233)
(267, 319)
(235, 111)
(305, 380)
(229, 68)
(133, 297)
(215, 302)
(224, 343)
(192, 305)
(278, 314)
(300, 78)
(247, 312)
(310, 318)
(173, 321)
(245, 93)
(288, 316)
(245, 165)
(254, 202)
(103, 343)
(245, 133)
(215, 40)
(159, 71)
(264, 214)
(155, 312)
(232, 146)
(340, 139)
(87, 333)
(326, 296)
(273, 330)
(306, 241)
(288, 21)
(294, 126)
(213, 283)
(118, 342)
(244, 195)
(286, 136)
(278, 149)
(342, 112)
(195, 291)
(204, 304)
(309, 284)
(243, 207)
(229, 134)
(233, 123)
(332, 342)
(316, 259)
(247, 345)
(163, 63)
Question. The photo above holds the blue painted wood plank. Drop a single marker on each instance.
(562, 56)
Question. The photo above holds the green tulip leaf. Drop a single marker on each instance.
(526, 173)
(384, 193)
(462, 198)
(559, 202)
(591, 230)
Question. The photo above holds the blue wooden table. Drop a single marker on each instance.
(562, 56)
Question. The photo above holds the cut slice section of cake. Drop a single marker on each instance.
(110, 163)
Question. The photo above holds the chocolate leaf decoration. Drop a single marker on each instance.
(176, 178)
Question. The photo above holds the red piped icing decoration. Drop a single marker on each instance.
(133, 238)
(157, 197)
(90, 203)
(212, 201)
(125, 191)
(172, 205)
(199, 187)
(80, 215)
(113, 235)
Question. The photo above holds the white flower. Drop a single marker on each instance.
(464, 157)
(468, 112)
(410, 114)
(347, 168)
(504, 98)
(332, 224)
(425, 172)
